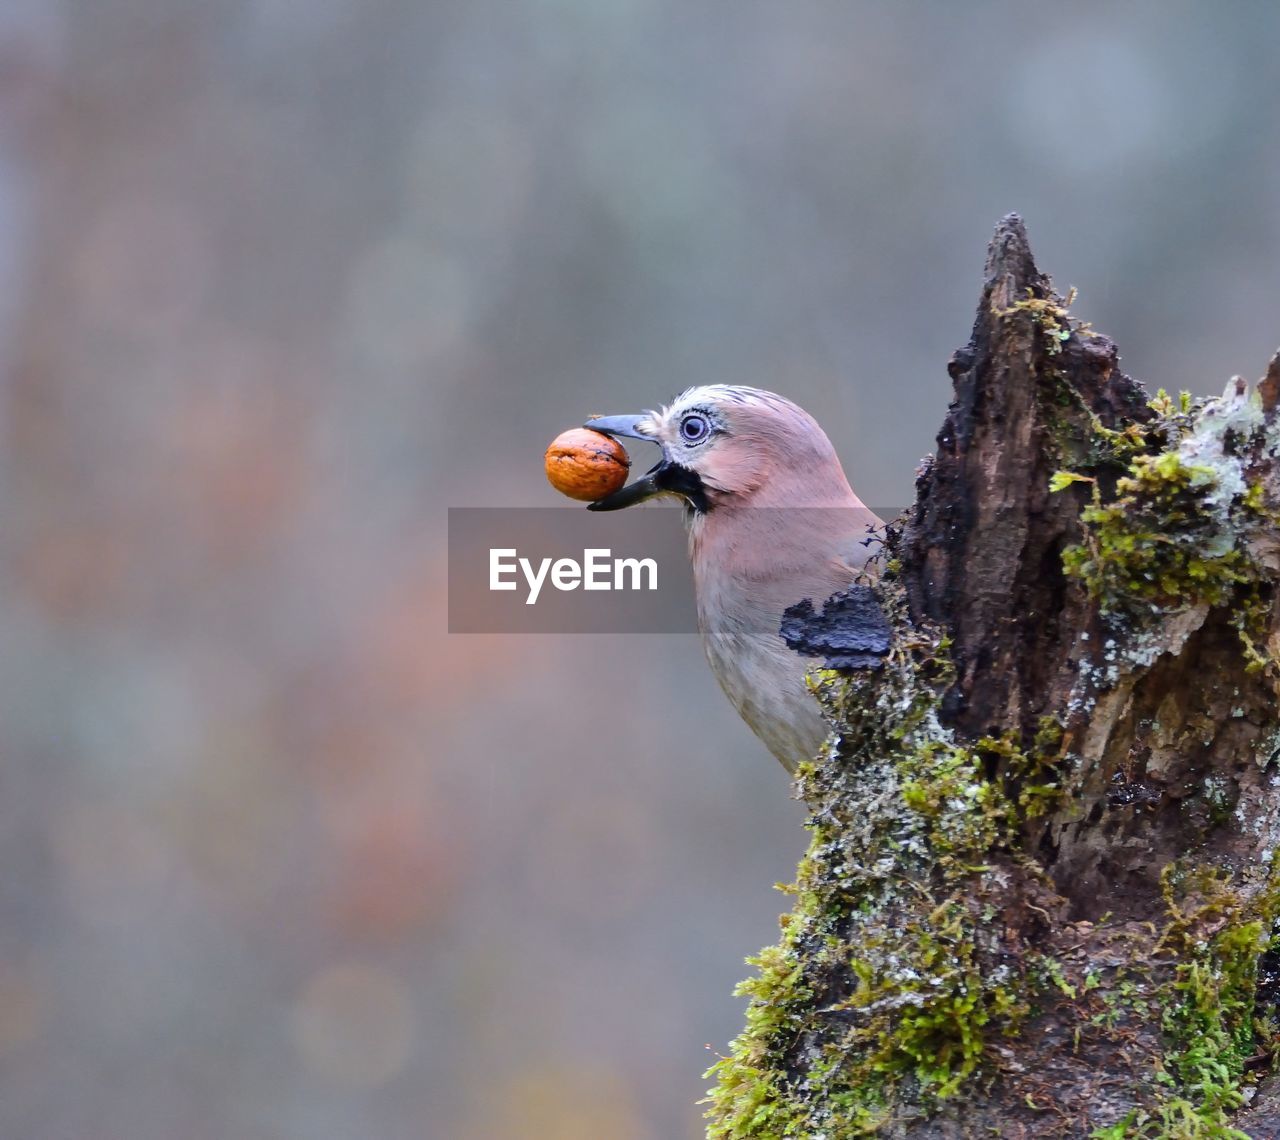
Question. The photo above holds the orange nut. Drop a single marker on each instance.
(586, 465)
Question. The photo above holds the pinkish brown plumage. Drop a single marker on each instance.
(772, 520)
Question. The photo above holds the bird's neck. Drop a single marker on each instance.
(769, 558)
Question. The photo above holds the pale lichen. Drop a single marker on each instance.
(1174, 534)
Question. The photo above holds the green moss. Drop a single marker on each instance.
(891, 979)
(893, 983)
(1209, 1015)
(1218, 928)
(1051, 315)
(1176, 529)
(1155, 542)
(1174, 1119)
(1125, 995)
(749, 1097)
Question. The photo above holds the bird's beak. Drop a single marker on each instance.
(620, 425)
(665, 478)
(643, 488)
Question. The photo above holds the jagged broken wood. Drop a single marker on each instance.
(1041, 890)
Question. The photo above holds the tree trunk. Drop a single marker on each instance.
(1042, 884)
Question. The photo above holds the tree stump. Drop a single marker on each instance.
(1042, 885)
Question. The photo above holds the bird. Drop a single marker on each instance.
(773, 525)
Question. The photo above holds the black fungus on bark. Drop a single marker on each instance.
(850, 631)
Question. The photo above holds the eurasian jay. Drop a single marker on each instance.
(772, 521)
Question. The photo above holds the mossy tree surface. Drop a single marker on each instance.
(1041, 890)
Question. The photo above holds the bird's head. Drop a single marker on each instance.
(723, 444)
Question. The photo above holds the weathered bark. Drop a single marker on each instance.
(1041, 881)
(982, 554)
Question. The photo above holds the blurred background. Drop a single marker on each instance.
(279, 282)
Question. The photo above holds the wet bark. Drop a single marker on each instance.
(1167, 749)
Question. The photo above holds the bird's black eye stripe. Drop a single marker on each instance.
(695, 427)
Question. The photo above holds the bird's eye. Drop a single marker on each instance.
(694, 428)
